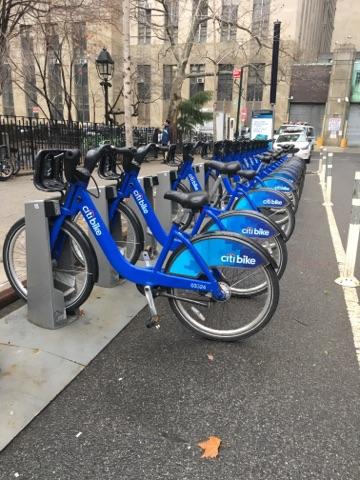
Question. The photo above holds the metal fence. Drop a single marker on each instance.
(25, 136)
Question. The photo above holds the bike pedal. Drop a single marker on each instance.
(153, 322)
(155, 318)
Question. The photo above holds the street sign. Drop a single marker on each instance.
(243, 114)
(236, 73)
(36, 109)
(334, 124)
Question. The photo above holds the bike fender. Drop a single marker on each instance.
(247, 223)
(217, 250)
(262, 198)
(277, 184)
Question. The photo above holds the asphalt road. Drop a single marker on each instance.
(344, 168)
(285, 402)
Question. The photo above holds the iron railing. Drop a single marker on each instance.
(25, 136)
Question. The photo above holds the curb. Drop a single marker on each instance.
(7, 296)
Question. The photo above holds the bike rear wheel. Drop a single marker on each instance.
(237, 318)
(6, 170)
(283, 217)
(75, 280)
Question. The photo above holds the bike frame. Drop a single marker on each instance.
(79, 200)
(131, 187)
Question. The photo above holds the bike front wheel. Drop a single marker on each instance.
(73, 274)
(237, 318)
(6, 170)
(126, 231)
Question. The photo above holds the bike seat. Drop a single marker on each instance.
(193, 200)
(248, 174)
(230, 167)
(265, 158)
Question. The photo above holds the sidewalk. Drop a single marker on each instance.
(285, 402)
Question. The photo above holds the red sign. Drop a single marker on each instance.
(36, 109)
(236, 73)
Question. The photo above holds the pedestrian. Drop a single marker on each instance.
(165, 139)
(156, 136)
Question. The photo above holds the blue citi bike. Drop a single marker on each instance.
(247, 223)
(226, 184)
(206, 278)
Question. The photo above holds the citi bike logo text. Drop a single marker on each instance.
(89, 214)
(255, 231)
(141, 202)
(270, 201)
(238, 259)
(193, 182)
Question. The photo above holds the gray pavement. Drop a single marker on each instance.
(285, 403)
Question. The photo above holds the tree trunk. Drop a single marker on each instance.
(127, 74)
(182, 61)
(215, 74)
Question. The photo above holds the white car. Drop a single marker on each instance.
(296, 139)
(307, 129)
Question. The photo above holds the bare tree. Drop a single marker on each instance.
(127, 74)
(12, 12)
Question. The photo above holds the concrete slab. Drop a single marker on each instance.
(36, 364)
(29, 379)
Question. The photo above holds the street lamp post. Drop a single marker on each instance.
(105, 70)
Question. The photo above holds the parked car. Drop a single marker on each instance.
(297, 139)
(296, 127)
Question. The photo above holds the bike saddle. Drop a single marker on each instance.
(265, 158)
(230, 167)
(248, 174)
(193, 200)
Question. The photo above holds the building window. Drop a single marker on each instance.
(81, 79)
(27, 49)
(197, 81)
(144, 22)
(144, 82)
(172, 19)
(7, 93)
(229, 20)
(168, 77)
(201, 33)
(255, 84)
(81, 74)
(225, 82)
(357, 79)
(54, 72)
(261, 18)
(79, 39)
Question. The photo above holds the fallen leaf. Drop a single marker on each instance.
(210, 447)
(210, 357)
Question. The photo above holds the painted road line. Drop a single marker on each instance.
(350, 294)
(347, 277)
(328, 180)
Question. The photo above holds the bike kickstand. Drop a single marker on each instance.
(154, 318)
